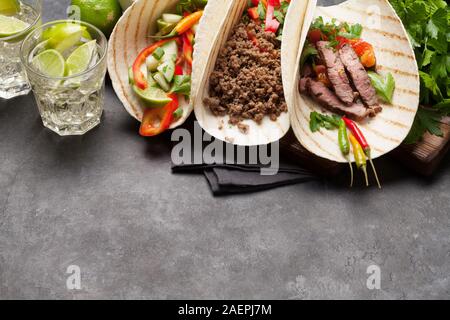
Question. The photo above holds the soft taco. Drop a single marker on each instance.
(355, 63)
(150, 61)
(239, 96)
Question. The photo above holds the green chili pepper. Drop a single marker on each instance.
(344, 145)
(360, 157)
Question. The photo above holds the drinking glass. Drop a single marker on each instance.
(69, 105)
(13, 80)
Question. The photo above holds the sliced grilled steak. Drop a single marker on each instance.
(327, 99)
(307, 71)
(336, 73)
(303, 85)
(359, 76)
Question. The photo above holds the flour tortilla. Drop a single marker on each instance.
(211, 38)
(385, 31)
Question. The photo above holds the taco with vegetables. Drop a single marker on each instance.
(150, 61)
(355, 62)
(240, 96)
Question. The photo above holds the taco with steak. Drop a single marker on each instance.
(354, 62)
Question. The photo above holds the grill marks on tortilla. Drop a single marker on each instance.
(336, 72)
(359, 76)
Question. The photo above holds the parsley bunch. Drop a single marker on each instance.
(427, 23)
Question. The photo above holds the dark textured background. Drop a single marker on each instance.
(108, 203)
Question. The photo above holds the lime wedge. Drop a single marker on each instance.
(153, 97)
(80, 59)
(9, 7)
(10, 26)
(49, 62)
(64, 36)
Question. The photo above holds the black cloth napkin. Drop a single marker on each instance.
(230, 177)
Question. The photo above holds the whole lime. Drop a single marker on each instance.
(103, 14)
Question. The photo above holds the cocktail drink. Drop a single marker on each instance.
(17, 19)
(66, 66)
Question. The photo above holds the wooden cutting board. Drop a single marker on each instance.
(423, 157)
(426, 156)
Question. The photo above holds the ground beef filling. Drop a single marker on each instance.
(246, 82)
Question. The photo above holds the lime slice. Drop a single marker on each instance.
(80, 59)
(49, 62)
(154, 97)
(10, 26)
(64, 36)
(9, 7)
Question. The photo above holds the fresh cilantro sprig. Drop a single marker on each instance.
(427, 24)
(333, 29)
(318, 121)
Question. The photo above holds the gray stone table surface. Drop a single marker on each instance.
(108, 203)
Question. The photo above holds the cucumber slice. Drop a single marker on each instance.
(158, 53)
(152, 63)
(161, 80)
(170, 51)
(167, 69)
(171, 18)
(151, 81)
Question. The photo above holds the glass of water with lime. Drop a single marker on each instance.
(17, 19)
(66, 65)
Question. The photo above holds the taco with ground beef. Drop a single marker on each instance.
(239, 96)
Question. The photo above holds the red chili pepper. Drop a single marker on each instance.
(359, 136)
(139, 78)
(353, 127)
(163, 117)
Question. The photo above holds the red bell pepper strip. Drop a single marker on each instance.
(139, 78)
(190, 36)
(164, 115)
(359, 136)
(187, 49)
